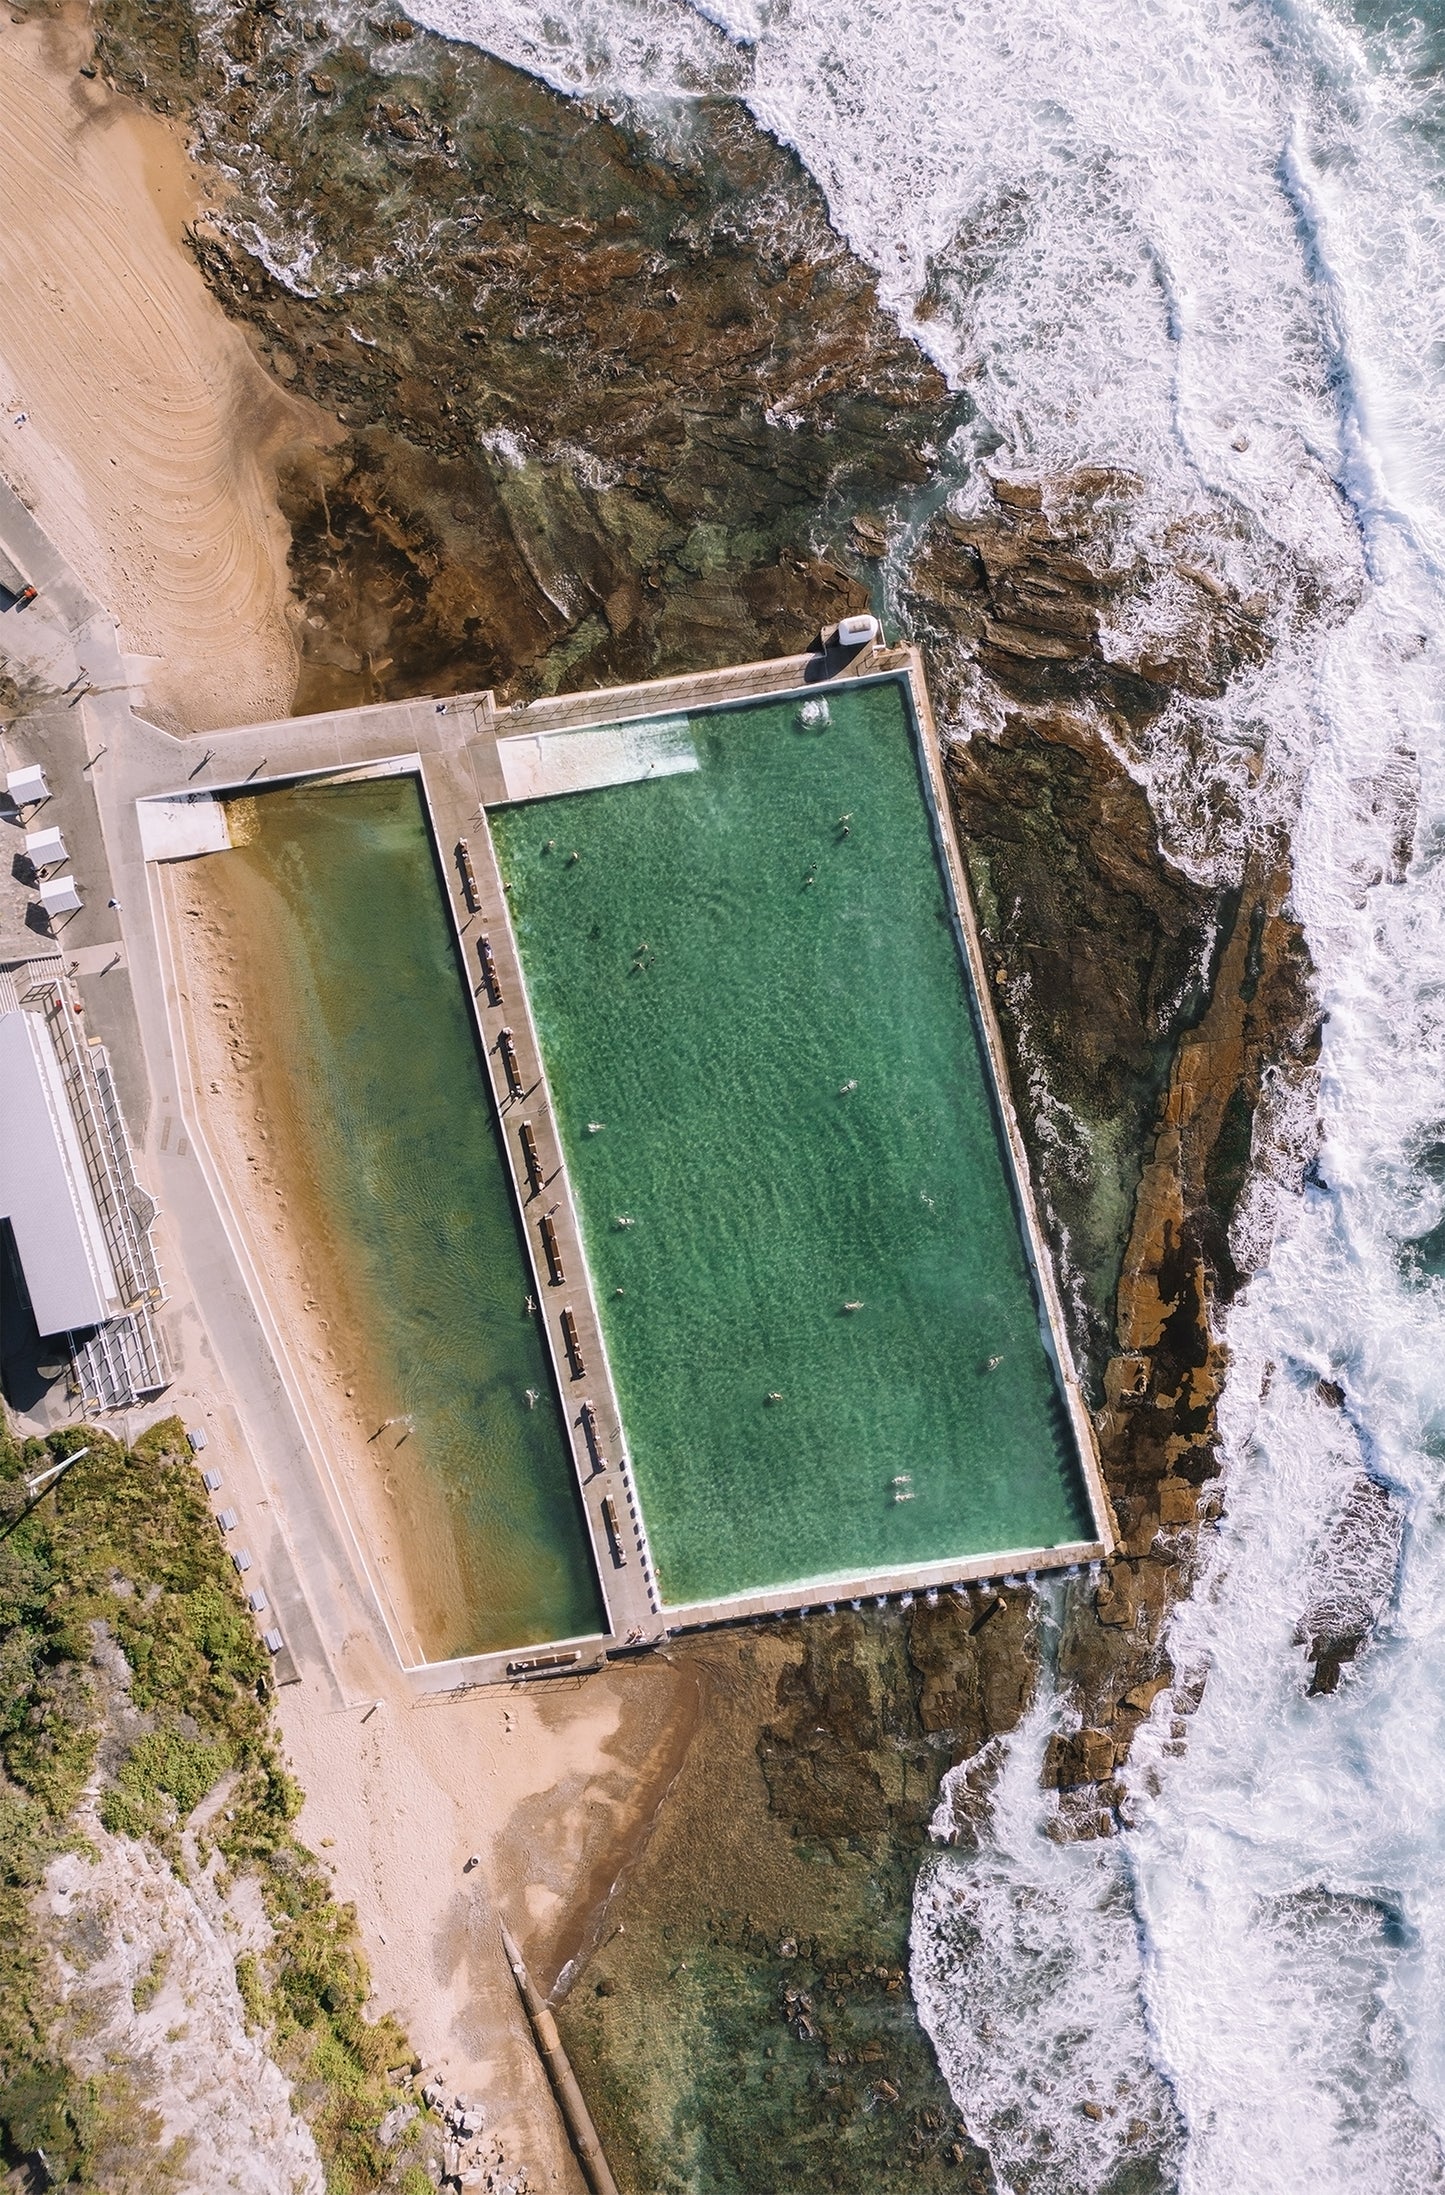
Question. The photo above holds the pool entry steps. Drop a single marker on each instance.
(772, 1209)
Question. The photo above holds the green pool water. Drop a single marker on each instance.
(397, 1133)
(767, 1014)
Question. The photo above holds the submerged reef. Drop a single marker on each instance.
(744, 2016)
(594, 405)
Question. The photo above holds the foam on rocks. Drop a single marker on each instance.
(1203, 242)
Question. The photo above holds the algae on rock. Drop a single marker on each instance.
(607, 401)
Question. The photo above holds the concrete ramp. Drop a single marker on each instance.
(176, 826)
(543, 764)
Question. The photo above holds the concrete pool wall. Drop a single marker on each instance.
(832, 1357)
(454, 746)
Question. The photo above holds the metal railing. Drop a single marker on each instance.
(119, 1362)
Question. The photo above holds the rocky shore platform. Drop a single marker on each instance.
(600, 406)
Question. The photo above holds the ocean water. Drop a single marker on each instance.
(774, 1103)
(1204, 240)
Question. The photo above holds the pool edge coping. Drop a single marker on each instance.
(427, 737)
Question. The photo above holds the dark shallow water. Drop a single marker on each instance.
(398, 1138)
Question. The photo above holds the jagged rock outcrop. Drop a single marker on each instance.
(1143, 1009)
(1157, 1426)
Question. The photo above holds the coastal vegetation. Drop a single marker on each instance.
(136, 1692)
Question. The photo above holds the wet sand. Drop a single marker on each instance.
(135, 421)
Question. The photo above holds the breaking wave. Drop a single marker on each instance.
(1204, 241)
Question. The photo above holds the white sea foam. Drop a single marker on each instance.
(1204, 241)
(1025, 1960)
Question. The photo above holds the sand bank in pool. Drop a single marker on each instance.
(348, 1112)
(286, 1233)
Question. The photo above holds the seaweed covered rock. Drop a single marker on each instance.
(597, 394)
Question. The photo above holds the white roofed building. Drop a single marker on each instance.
(79, 1218)
(45, 1191)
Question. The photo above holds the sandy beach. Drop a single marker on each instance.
(436, 1815)
(134, 419)
(553, 1791)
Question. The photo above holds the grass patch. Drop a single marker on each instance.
(124, 1554)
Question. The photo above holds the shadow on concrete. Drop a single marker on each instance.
(831, 662)
(30, 1364)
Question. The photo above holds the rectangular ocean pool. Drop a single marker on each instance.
(371, 1078)
(779, 1124)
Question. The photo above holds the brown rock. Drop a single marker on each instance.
(1018, 495)
(1178, 1501)
(1141, 1697)
(974, 1657)
(1082, 1757)
(1032, 645)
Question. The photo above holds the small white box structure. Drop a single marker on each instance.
(27, 787)
(271, 1640)
(58, 895)
(43, 849)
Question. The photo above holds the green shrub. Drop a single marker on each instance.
(126, 1546)
(163, 1781)
(254, 1994)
